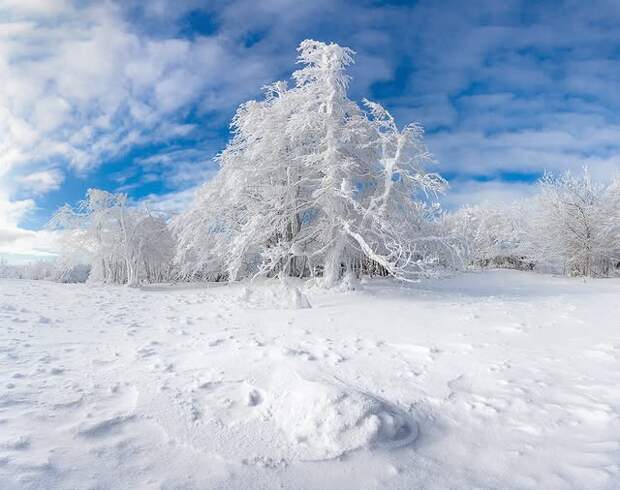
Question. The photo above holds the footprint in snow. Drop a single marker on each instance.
(304, 354)
(500, 367)
(513, 328)
(103, 428)
(146, 351)
(16, 444)
(253, 397)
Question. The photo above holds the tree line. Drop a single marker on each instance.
(315, 185)
(570, 226)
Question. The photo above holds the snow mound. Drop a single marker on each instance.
(349, 282)
(274, 296)
(325, 420)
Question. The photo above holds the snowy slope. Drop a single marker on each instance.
(490, 380)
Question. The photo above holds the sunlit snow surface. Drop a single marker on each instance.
(490, 380)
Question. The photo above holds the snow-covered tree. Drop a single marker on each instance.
(122, 244)
(571, 225)
(311, 184)
(574, 225)
(49, 269)
(485, 235)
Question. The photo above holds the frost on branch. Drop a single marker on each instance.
(313, 185)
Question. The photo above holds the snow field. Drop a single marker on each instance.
(491, 380)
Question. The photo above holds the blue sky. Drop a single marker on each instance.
(137, 96)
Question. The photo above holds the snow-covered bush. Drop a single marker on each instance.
(313, 185)
(122, 244)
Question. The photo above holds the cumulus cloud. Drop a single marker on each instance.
(170, 203)
(12, 211)
(82, 84)
(17, 241)
(494, 192)
(25, 244)
(531, 89)
(181, 167)
(43, 181)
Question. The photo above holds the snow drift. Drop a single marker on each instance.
(325, 419)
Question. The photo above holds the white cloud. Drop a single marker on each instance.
(12, 211)
(179, 168)
(556, 149)
(34, 7)
(16, 242)
(492, 192)
(83, 85)
(172, 202)
(43, 181)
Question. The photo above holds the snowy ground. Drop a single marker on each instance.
(492, 380)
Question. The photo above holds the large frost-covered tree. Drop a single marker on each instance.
(312, 184)
(122, 244)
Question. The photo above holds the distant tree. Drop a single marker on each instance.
(575, 224)
(571, 225)
(49, 269)
(487, 235)
(123, 244)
